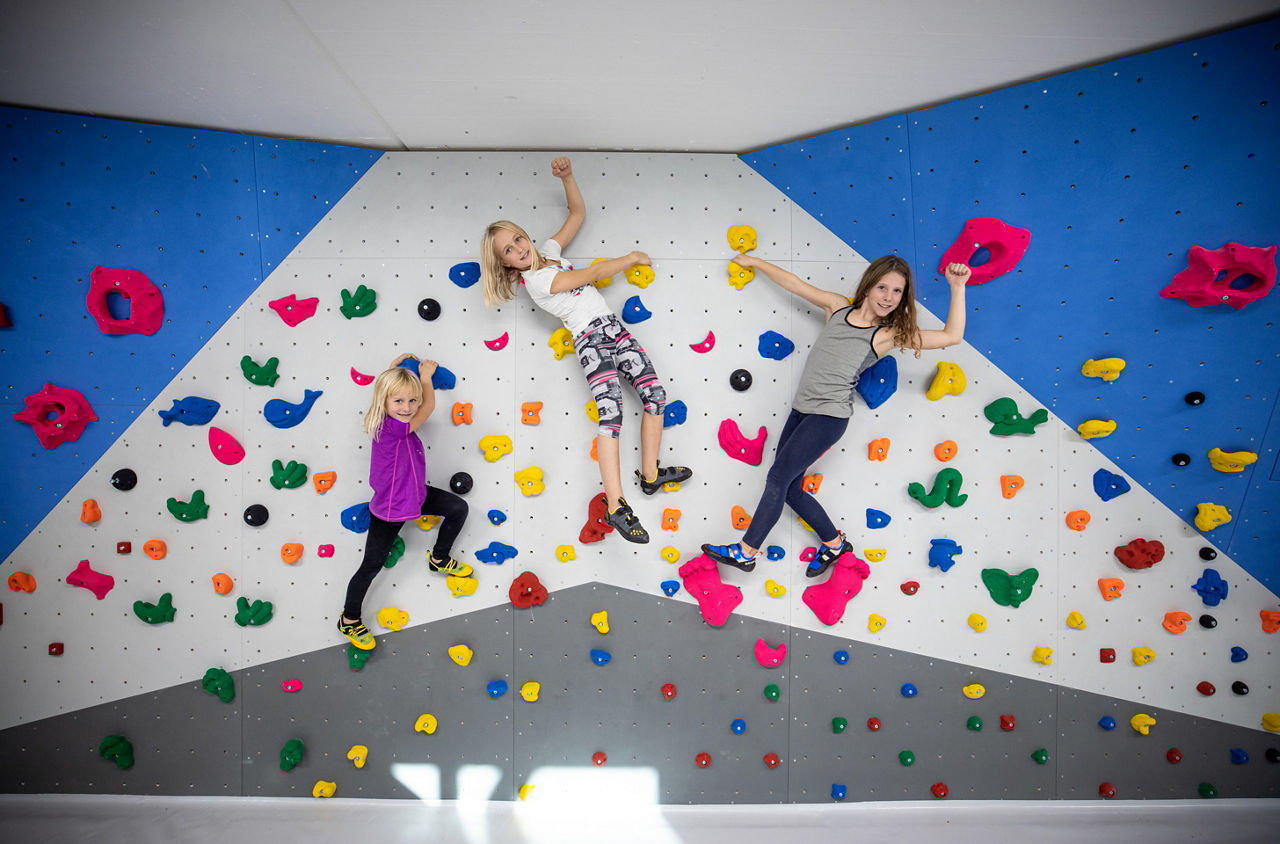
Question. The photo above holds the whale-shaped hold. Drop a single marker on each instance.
(192, 410)
(282, 414)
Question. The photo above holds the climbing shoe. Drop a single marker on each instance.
(358, 634)
(666, 475)
(449, 566)
(625, 522)
(730, 555)
(828, 555)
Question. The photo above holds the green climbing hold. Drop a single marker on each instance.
(1041, 756)
(157, 613)
(772, 692)
(1207, 790)
(264, 375)
(1009, 590)
(219, 682)
(291, 754)
(839, 725)
(288, 477)
(356, 658)
(946, 487)
(974, 723)
(359, 304)
(396, 552)
(252, 615)
(117, 749)
(907, 758)
(189, 511)
(1006, 420)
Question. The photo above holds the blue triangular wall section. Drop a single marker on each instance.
(1116, 170)
(205, 215)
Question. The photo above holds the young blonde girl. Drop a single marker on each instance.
(854, 336)
(402, 400)
(604, 347)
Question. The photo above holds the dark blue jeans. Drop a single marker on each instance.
(804, 438)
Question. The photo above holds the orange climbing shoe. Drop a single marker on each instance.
(358, 634)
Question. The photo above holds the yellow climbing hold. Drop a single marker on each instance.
(495, 447)
(526, 791)
(1108, 369)
(977, 622)
(461, 654)
(461, 587)
(670, 554)
(529, 691)
(1096, 429)
(565, 553)
(639, 274)
(324, 788)
(561, 342)
(530, 481)
(1142, 723)
(774, 589)
(428, 522)
(392, 618)
(1042, 654)
(426, 723)
(1075, 621)
(739, 275)
(358, 754)
(1271, 722)
(950, 381)
(742, 237)
(604, 282)
(1142, 655)
(876, 622)
(600, 621)
(874, 555)
(1231, 461)
(974, 691)
(1210, 516)
(593, 412)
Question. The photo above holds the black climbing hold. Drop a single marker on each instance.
(124, 479)
(255, 515)
(1239, 688)
(1273, 754)
(428, 309)
(1181, 459)
(460, 483)
(740, 380)
(1207, 553)
(1208, 622)
(1194, 398)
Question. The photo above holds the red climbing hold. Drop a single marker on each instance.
(1107, 790)
(668, 692)
(57, 415)
(596, 527)
(771, 760)
(526, 590)
(1174, 755)
(146, 302)
(1106, 654)
(940, 790)
(873, 724)
(1008, 723)
(702, 759)
(911, 587)
(1140, 553)
(598, 758)
(1205, 688)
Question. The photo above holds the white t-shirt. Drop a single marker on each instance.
(576, 307)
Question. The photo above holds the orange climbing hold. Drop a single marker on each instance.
(155, 549)
(529, 413)
(90, 512)
(1078, 519)
(741, 518)
(1010, 484)
(222, 583)
(1270, 621)
(21, 581)
(878, 449)
(812, 483)
(945, 450)
(324, 481)
(670, 519)
(1176, 622)
(462, 413)
(291, 552)
(1110, 587)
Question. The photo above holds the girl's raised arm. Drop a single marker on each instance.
(792, 283)
(426, 368)
(562, 169)
(953, 331)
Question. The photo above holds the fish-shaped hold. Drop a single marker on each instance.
(282, 414)
(193, 410)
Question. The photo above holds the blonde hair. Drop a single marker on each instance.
(500, 281)
(906, 331)
(393, 380)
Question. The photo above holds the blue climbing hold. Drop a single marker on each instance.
(496, 689)
(443, 379)
(193, 410)
(282, 414)
(670, 587)
(1239, 756)
(1109, 485)
(1238, 654)
(841, 657)
(775, 552)
(877, 518)
(909, 690)
(411, 364)
(1212, 588)
(497, 517)
(496, 553)
(600, 657)
(1106, 722)
(839, 791)
(356, 517)
(878, 382)
(675, 414)
(739, 726)
(774, 345)
(465, 274)
(941, 552)
(633, 311)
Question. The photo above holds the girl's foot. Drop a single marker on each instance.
(666, 475)
(357, 633)
(827, 555)
(448, 566)
(626, 523)
(730, 555)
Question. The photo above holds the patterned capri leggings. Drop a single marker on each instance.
(606, 349)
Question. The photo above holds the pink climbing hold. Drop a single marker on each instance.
(146, 302)
(498, 343)
(291, 686)
(1007, 244)
(1211, 276)
(706, 345)
(95, 581)
(360, 378)
(828, 600)
(770, 657)
(294, 310)
(738, 446)
(225, 448)
(716, 599)
(57, 415)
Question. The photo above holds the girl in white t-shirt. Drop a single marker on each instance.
(604, 346)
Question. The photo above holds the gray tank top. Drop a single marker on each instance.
(840, 354)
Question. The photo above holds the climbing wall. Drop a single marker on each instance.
(919, 658)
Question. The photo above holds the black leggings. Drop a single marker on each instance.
(382, 535)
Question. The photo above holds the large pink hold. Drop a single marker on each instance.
(828, 600)
(225, 448)
(702, 580)
(738, 446)
(770, 657)
(1007, 244)
(1210, 276)
(294, 310)
(57, 415)
(146, 302)
(95, 581)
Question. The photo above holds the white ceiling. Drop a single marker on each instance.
(669, 75)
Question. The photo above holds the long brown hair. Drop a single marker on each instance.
(906, 333)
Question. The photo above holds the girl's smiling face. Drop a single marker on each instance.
(402, 404)
(513, 250)
(886, 294)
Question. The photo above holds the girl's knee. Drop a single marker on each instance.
(654, 399)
